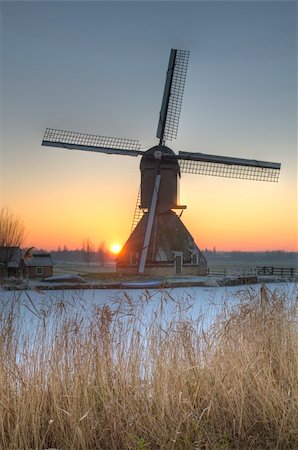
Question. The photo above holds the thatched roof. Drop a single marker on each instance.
(169, 235)
(40, 259)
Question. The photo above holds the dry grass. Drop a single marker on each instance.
(121, 381)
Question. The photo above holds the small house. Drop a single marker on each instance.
(39, 264)
(11, 262)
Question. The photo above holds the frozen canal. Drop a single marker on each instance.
(195, 303)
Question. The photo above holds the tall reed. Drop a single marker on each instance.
(117, 379)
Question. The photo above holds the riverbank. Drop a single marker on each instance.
(80, 282)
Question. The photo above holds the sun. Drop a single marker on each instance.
(115, 248)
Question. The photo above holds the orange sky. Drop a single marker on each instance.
(225, 213)
(64, 66)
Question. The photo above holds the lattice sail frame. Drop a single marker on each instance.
(173, 95)
(176, 95)
(195, 163)
(91, 142)
(230, 170)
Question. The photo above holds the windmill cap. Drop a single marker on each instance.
(155, 154)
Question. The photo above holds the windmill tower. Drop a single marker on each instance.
(160, 243)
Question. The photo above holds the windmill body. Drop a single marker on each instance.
(169, 170)
(159, 243)
(171, 249)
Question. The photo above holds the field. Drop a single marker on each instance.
(121, 378)
(72, 267)
(219, 263)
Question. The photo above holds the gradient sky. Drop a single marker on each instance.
(99, 67)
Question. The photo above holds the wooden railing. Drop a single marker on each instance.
(281, 271)
(232, 271)
(252, 271)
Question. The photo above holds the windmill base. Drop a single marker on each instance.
(164, 271)
(172, 250)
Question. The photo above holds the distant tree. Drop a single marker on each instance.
(102, 253)
(12, 234)
(12, 229)
(88, 250)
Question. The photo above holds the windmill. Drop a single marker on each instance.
(159, 242)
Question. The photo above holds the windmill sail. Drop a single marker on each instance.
(159, 241)
(225, 166)
(90, 142)
(173, 95)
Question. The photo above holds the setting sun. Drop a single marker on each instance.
(115, 248)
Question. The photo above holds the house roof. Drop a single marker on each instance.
(40, 259)
(11, 256)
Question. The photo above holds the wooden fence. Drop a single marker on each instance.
(287, 272)
(280, 271)
(232, 271)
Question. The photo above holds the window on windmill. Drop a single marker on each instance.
(133, 258)
(194, 258)
(178, 262)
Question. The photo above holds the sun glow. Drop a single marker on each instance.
(115, 248)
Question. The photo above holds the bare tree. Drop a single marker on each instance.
(12, 229)
(87, 249)
(12, 233)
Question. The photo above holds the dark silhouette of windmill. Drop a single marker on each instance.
(159, 242)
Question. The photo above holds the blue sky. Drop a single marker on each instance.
(99, 67)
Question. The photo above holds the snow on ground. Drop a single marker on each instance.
(66, 277)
